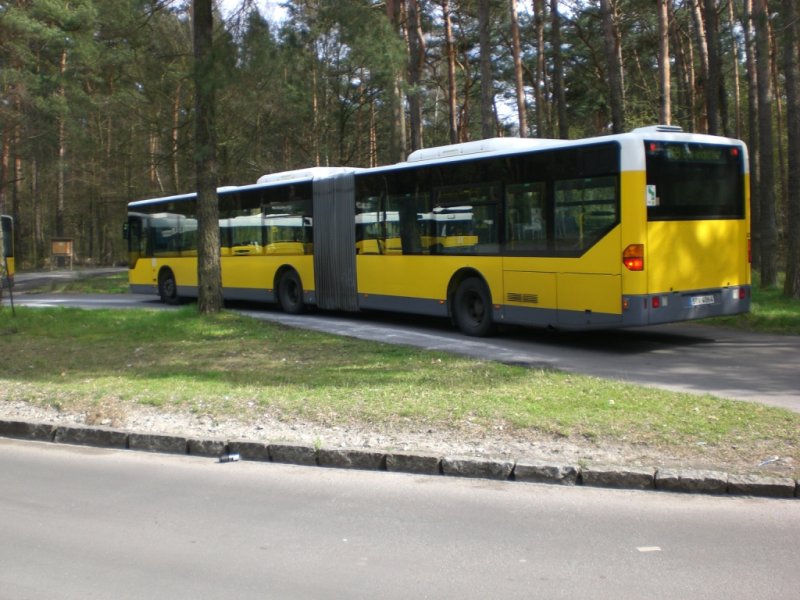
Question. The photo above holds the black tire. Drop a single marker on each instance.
(472, 308)
(168, 287)
(290, 293)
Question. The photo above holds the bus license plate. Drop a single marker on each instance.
(701, 300)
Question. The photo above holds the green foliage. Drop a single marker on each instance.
(771, 312)
(315, 88)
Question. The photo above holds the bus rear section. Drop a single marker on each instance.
(694, 258)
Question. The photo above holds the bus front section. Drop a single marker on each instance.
(693, 259)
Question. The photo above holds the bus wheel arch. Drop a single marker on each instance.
(168, 286)
(470, 303)
(289, 290)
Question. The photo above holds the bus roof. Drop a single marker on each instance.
(264, 182)
(495, 147)
(305, 174)
(489, 148)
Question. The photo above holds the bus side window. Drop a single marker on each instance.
(367, 228)
(465, 219)
(585, 210)
(137, 241)
(526, 230)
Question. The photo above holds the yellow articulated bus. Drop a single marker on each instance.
(635, 229)
(7, 256)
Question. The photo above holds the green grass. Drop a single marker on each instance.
(228, 365)
(88, 284)
(771, 312)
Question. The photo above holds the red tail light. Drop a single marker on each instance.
(633, 257)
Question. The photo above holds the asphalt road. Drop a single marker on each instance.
(689, 357)
(80, 523)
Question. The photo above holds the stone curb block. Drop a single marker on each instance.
(91, 436)
(351, 459)
(642, 478)
(41, 432)
(211, 448)
(773, 487)
(692, 481)
(632, 478)
(249, 450)
(420, 464)
(301, 454)
(154, 442)
(477, 467)
(542, 472)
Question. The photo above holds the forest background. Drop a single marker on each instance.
(97, 96)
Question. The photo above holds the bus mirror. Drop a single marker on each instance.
(126, 231)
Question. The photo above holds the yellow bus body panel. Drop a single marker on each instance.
(585, 292)
(590, 282)
(633, 229)
(258, 272)
(530, 288)
(427, 277)
(242, 272)
(696, 255)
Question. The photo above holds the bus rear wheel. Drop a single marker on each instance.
(290, 293)
(472, 308)
(168, 287)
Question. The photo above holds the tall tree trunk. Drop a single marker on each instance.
(791, 69)
(397, 144)
(682, 45)
(209, 277)
(702, 45)
(62, 155)
(373, 136)
(766, 188)
(665, 88)
(37, 251)
(176, 123)
(779, 128)
(737, 93)
(487, 77)
(558, 71)
(416, 63)
(316, 134)
(16, 199)
(539, 85)
(450, 50)
(519, 85)
(611, 44)
(752, 130)
(714, 74)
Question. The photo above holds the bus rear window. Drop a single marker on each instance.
(694, 181)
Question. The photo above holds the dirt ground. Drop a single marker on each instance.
(468, 440)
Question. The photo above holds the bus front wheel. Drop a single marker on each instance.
(290, 293)
(168, 287)
(472, 308)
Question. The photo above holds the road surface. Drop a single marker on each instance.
(79, 523)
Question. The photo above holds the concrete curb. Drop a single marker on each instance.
(610, 476)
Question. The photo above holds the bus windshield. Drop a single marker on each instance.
(693, 181)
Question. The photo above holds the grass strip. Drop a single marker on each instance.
(232, 366)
